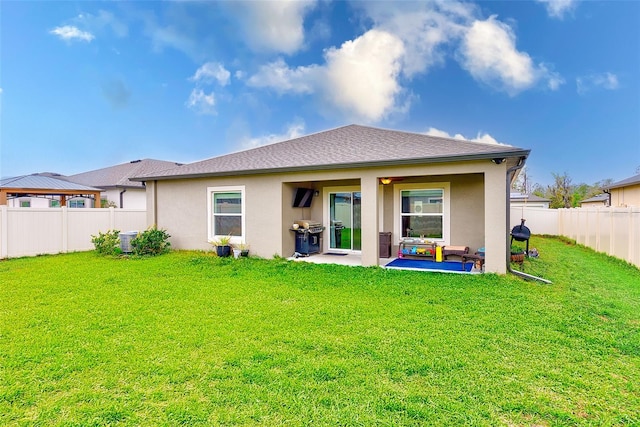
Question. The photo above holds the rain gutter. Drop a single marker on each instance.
(526, 276)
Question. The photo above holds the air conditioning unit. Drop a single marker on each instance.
(125, 241)
(417, 206)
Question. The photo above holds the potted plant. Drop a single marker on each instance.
(517, 254)
(236, 252)
(244, 249)
(223, 246)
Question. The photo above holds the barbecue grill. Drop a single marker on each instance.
(307, 237)
(521, 233)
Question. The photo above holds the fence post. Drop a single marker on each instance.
(65, 229)
(612, 246)
(630, 255)
(112, 218)
(4, 232)
(597, 248)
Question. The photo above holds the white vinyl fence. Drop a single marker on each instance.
(614, 231)
(32, 231)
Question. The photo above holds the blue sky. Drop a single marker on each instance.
(85, 85)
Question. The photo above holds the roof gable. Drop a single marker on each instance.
(348, 146)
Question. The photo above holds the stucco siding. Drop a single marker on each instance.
(626, 196)
(181, 205)
(467, 211)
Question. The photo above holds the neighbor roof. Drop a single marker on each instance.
(344, 147)
(598, 198)
(528, 197)
(624, 183)
(42, 182)
(119, 175)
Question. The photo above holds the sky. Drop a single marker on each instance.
(86, 85)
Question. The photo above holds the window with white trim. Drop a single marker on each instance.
(226, 213)
(422, 213)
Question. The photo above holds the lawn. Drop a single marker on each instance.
(191, 339)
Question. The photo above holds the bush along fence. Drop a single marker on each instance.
(32, 231)
(614, 231)
(150, 242)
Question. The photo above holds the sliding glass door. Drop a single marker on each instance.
(345, 223)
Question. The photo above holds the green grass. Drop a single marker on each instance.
(191, 339)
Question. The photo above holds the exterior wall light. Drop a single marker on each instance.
(385, 181)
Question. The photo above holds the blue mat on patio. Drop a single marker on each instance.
(429, 265)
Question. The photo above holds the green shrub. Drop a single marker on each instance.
(151, 242)
(107, 243)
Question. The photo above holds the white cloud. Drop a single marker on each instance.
(488, 51)
(363, 78)
(484, 138)
(294, 130)
(362, 75)
(212, 72)
(558, 8)
(360, 78)
(425, 28)
(278, 76)
(608, 81)
(276, 26)
(69, 32)
(201, 102)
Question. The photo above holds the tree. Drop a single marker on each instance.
(523, 183)
(563, 194)
(560, 192)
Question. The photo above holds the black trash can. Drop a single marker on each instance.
(385, 245)
(336, 234)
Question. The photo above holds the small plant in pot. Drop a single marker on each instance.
(244, 249)
(223, 245)
(517, 254)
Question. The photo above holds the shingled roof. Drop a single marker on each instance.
(634, 180)
(119, 175)
(343, 147)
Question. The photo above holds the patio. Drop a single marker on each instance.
(355, 259)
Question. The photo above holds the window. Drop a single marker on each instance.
(77, 203)
(226, 213)
(25, 203)
(423, 211)
(54, 203)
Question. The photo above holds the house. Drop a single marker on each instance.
(118, 189)
(356, 179)
(625, 193)
(600, 200)
(46, 190)
(528, 200)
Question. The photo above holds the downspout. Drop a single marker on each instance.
(122, 198)
(510, 172)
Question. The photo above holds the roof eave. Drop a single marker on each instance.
(395, 162)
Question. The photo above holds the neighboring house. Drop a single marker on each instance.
(370, 180)
(46, 190)
(118, 189)
(601, 200)
(625, 193)
(529, 200)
